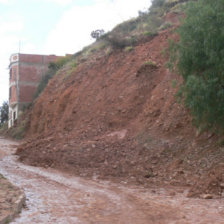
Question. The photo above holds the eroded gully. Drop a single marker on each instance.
(55, 197)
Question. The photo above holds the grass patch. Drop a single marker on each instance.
(2, 177)
(174, 83)
(18, 131)
(165, 26)
(150, 34)
(72, 65)
(150, 63)
(146, 24)
(4, 128)
(128, 48)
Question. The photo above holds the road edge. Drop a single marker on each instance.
(17, 208)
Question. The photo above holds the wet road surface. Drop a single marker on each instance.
(55, 197)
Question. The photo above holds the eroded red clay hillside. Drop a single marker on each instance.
(116, 116)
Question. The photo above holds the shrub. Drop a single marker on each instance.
(72, 65)
(19, 129)
(151, 64)
(150, 34)
(118, 41)
(45, 79)
(165, 26)
(4, 113)
(126, 27)
(199, 58)
(3, 128)
(53, 67)
(128, 48)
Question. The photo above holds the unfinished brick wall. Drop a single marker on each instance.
(13, 73)
(26, 72)
(30, 73)
(13, 93)
(26, 93)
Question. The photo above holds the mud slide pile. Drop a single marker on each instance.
(116, 117)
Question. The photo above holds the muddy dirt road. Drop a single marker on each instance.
(54, 197)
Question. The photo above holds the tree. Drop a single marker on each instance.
(199, 58)
(96, 34)
(53, 67)
(4, 112)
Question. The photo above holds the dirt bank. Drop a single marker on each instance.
(116, 116)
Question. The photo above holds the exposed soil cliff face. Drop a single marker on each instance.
(116, 116)
(111, 93)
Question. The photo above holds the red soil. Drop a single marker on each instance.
(116, 116)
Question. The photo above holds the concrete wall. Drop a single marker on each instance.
(13, 114)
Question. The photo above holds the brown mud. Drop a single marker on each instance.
(56, 197)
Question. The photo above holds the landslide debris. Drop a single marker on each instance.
(115, 115)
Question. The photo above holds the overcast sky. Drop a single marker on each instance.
(56, 26)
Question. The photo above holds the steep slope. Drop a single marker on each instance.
(116, 115)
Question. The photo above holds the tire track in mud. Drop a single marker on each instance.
(55, 197)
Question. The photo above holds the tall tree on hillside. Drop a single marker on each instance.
(96, 34)
(4, 111)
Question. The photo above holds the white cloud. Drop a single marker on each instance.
(72, 32)
(10, 27)
(4, 1)
(129, 8)
(61, 2)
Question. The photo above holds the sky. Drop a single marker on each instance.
(56, 26)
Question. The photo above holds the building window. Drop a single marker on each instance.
(14, 115)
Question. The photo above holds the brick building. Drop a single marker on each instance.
(25, 73)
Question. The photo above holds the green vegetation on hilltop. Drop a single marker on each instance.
(147, 24)
(199, 58)
(124, 35)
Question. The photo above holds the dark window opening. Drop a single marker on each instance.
(14, 115)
